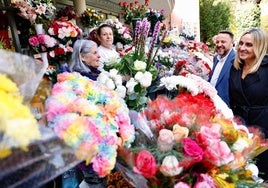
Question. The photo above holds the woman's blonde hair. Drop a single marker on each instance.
(260, 48)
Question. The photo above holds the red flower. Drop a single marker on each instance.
(145, 164)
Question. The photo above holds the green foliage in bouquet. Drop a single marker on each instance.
(137, 67)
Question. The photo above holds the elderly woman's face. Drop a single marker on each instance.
(92, 57)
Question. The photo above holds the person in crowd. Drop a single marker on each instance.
(85, 60)
(249, 85)
(222, 63)
(106, 48)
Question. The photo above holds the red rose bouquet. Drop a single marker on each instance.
(193, 141)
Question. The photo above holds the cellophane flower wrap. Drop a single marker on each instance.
(20, 76)
(90, 118)
(18, 126)
(193, 140)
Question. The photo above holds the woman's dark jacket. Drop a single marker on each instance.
(249, 100)
(249, 96)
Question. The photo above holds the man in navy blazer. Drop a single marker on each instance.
(222, 63)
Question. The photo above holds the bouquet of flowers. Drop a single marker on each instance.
(90, 118)
(196, 63)
(64, 30)
(133, 10)
(91, 18)
(193, 141)
(137, 66)
(17, 121)
(66, 33)
(42, 43)
(36, 11)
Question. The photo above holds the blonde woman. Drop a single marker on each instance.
(248, 85)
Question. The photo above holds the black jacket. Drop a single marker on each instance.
(249, 96)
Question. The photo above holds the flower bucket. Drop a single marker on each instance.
(44, 57)
(39, 28)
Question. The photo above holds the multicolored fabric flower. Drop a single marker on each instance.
(90, 118)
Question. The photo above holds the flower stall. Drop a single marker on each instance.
(150, 119)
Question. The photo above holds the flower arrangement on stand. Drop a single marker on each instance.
(36, 11)
(193, 140)
(133, 10)
(90, 118)
(66, 33)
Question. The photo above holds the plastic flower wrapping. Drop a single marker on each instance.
(30, 153)
(90, 118)
(192, 140)
(18, 83)
(16, 119)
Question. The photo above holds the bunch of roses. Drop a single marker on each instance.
(66, 33)
(36, 11)
(42, 43)
(193, 141)
(133, 10)
(64, 30)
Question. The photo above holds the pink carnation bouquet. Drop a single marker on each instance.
(42, 42)
(193, 141)
(90, 118)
